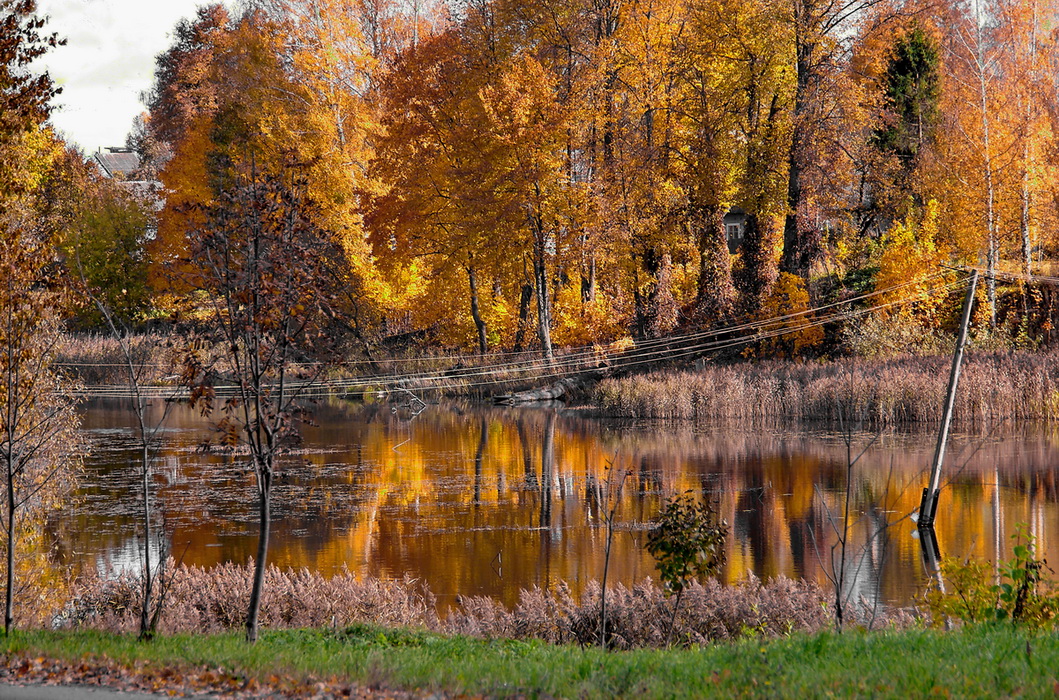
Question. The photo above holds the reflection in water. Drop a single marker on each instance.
(483, 501)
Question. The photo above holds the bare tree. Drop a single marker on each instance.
(138, 373)
(612, 488)
(264, 265)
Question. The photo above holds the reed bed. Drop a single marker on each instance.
(994, 387)
(98, 359)
(212, 600)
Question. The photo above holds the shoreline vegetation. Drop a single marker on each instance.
(995, 386)
(212, 600)
(345, 636)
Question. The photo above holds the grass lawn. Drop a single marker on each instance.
(985, 661)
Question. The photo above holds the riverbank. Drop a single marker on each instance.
(362, 661)
(994, 388)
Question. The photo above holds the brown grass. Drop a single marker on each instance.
(215, 599)
(208, 600)
(993, 387)
(96, 359)
(639, 616)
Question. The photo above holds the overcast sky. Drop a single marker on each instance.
(107, 62)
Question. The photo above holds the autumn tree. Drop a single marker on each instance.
(819, 31)
(637, 176)
(184, 88)
(301, 78)
(1025, 68)
(704, 151)
(37, 421)
(764, 99)
(478, 185)
(172, 138)
(104, 229)
(443, 200)
(263, 262)
(25, 97)
(979, 157)
(522, 114)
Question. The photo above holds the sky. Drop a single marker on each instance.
(107, 62)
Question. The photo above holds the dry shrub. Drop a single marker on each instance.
(211, 600)
(993, 387)
(639, 616)
(214, 599)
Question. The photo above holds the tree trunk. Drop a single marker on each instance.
(673, 616)
(476, 314)
(588, 281)
(715, 294)
(759, 271)
(523, 315)
(148, 580)
(9, 596)
(990, 189)
(664, 311)
(544, 313)
(1024, 220)
(264, 476)
(646, 305)
(797, 251)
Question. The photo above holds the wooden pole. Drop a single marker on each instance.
(929, 506)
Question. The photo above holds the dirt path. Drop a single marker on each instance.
(66, 692)
(28, 678)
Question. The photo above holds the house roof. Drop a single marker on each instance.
(116, 162)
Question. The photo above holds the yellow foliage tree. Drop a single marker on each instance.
(793, 330)
(908, 267)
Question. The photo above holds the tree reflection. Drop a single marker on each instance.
(434, 498)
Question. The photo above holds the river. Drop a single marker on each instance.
(475, 500)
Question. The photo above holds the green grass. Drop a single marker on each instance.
(986, 661)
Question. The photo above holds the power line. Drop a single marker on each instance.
(645, 352)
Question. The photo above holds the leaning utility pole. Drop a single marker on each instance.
(929, 505)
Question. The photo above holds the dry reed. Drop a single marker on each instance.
(98, 359)
(993, 387)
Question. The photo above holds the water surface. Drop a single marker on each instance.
(483, 501)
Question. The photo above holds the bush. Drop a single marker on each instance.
(1018, 591)
(215, 599)
(687, 542)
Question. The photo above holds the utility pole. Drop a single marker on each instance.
(929, 505)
